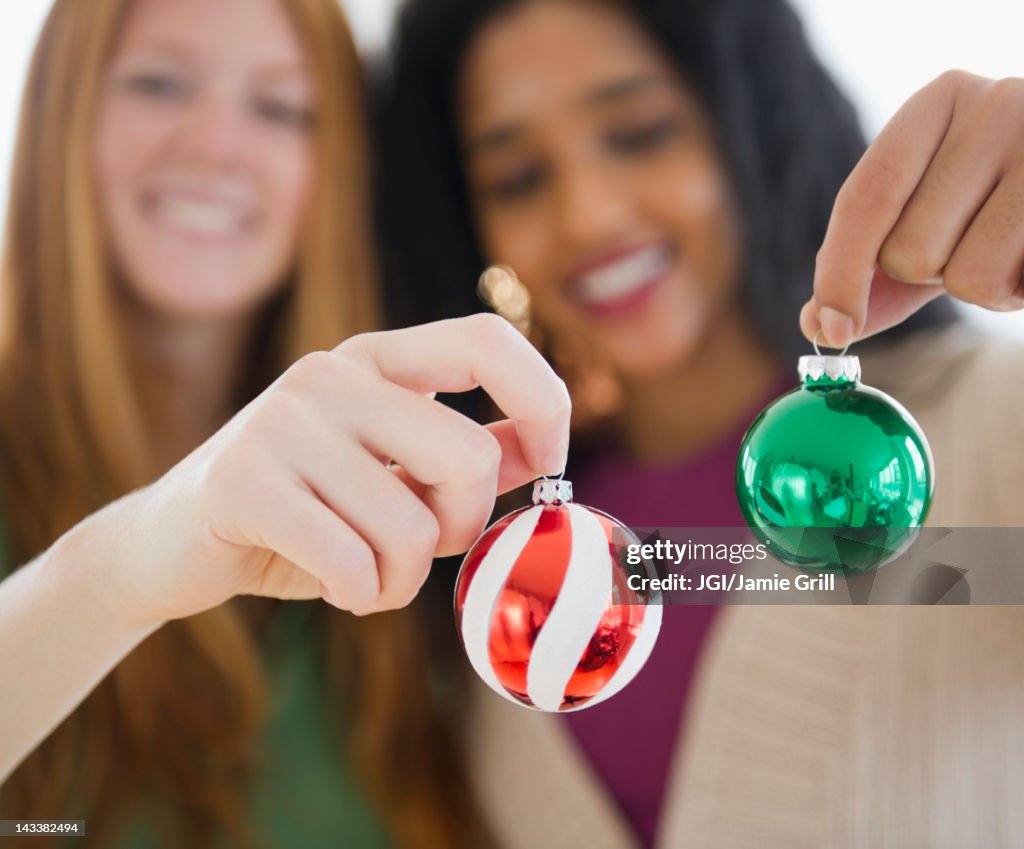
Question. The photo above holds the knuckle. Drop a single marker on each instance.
(1006, 96)
(232, 483)
(306, 373)
(355, 347)
(363, 567)
(973, 286)
(957, 83)
(420, 534)
(350, 344)
(279, 411)
(957, 282)
(356, 565)
(488, 323)
(409, 556)
(902, 259)
(952, 79)
(482, 451)
(491, 330)
(357, 558)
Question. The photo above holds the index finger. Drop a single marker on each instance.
(483, 350)
(868, 206)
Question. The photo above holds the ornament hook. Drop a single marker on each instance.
(815, 343)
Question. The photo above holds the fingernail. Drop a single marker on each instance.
(836, 327)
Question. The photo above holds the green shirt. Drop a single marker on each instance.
(304, 796)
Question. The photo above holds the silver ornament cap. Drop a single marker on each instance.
(546, 491)
(819, 368)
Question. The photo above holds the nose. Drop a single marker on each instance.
(591, 206)
(213, 133)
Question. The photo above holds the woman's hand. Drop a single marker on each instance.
(293, 498)
(935, 205)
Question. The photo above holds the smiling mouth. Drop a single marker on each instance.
(202, 218)
(621, 282)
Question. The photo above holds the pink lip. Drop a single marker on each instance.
(627, 303)
(614, 307)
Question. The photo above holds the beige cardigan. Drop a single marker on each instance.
(839, 727)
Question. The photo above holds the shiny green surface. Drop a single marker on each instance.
(835, 476)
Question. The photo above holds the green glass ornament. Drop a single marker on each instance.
(835, 476)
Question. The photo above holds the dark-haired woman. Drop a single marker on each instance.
(661, 176)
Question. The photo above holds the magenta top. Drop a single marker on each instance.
(630, 739)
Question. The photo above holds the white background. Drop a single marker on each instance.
(881, 51)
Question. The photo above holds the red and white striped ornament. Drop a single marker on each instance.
(544, 609)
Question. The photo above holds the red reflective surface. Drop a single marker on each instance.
(529, 594)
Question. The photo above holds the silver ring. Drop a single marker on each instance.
(815, 343)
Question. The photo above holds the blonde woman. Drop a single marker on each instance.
(188, 220)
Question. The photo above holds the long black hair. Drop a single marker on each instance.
(789, 139)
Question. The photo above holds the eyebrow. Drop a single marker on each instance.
(161, 47)
(615, 91)
(284, 72)
(494, 139)
(624, 88)
(165, 48)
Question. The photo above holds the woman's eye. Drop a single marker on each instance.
(515, 186)
(643, 138)
(157, 86)
(287, 114)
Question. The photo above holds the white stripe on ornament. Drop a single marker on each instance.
(485, 590)
(635, 658)
(576, 613)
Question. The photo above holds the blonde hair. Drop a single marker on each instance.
(74, 436)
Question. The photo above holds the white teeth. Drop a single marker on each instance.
(202, 217)
(624, 276)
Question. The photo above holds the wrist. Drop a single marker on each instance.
(89, 567)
